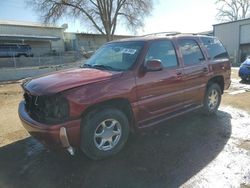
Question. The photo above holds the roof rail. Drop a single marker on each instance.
(167, 33)
(205, 34)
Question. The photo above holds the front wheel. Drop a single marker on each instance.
(104, 133)
(212, 99)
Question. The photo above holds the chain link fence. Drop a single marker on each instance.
(16, 60)
(15, 65)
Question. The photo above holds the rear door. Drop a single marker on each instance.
(195, 71)
(160, 93)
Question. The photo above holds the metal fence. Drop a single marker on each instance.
(18, 61)
(16, 65)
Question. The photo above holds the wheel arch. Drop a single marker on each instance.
(121, 104)
(218, 80)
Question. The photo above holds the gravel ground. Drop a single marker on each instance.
(190, 151)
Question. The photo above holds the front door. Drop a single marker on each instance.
(160, 93)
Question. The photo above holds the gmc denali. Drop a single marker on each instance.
(126, 85)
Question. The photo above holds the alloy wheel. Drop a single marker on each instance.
(213, 99)
(107, 134)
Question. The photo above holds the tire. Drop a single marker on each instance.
(212, 99)
(104, 133)
(243, 79)
(21, 55)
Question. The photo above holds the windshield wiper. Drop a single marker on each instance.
(105, 67)
(101, 67)
(86, 66)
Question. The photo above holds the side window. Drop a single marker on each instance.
(214, 47)
(12, 47)
(164, 51)
(4, 48)
(190, 51)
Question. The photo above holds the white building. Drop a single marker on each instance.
(235, 36)
(42, 38)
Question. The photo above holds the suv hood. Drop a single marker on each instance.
(67, 79)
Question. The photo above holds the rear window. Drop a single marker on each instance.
(215, 48)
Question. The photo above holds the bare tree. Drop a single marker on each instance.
(102, 15)
(231, 10)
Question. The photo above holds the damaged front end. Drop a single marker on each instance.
(47, 109)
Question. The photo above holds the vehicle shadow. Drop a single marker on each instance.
(244, 82)
(166, 156)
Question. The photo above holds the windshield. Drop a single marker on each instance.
(119, 56)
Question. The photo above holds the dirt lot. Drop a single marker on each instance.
(191, 151)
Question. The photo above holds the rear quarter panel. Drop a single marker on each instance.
(222, 68)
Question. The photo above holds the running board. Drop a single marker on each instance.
(174, 114)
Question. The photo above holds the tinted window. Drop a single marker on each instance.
(191, 51)
(14, 47)
(164, 51)
(24, 47)
(215, 49)
(4, 47)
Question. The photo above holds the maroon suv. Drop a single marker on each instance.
(126, 85)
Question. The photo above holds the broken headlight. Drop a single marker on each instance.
(47, 109)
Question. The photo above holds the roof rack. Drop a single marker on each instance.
(197, 34)
(168, 33)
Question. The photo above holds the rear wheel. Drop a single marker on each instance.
(104, 133)
(212, 99)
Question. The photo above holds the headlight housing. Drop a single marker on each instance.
(47, 109)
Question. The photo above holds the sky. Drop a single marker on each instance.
(168, 15)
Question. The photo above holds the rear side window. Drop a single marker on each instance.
(190, 51)
(163, 50)
(214, 47)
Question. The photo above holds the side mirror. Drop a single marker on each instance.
(153, 65)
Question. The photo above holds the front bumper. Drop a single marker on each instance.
(49, 135)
